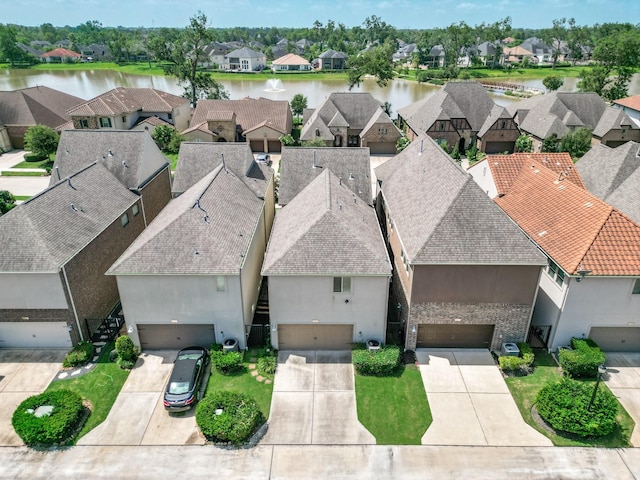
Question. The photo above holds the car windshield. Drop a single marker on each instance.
(189, 356)
(178, 388)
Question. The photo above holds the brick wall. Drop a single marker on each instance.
(511, 321)
(95, 293)
(156, 194)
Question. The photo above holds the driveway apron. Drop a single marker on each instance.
(314, 401)
(23, 373)
(138, 416)
(623, 379)
(470, 402)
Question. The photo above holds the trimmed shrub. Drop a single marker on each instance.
(266, 365)
(583, 360)
(34, 157)
(216, 347)
(80, 355)
(226, 363)
(564, 405)
(50, 429)
(520, 365)
(383, 363)
(126, 348)
(228, 417)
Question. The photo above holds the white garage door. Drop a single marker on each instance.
(315, 337)
(34, 335)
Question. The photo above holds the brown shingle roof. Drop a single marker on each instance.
(124, 100)
(575, 228)
(36, 105)
(506, 168)
(249, 112)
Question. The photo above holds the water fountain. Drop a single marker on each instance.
(274, 85)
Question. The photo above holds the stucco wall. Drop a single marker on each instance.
(189, 299)
(302, 299)
(482, 175)
(596, 302)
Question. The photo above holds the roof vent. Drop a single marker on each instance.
(58, 173)
(110, 153)
(542, 233)
(124, 164)
(561, 187)
(74, 208)
(315, 164)
(196, 252)
(588, 204)
(421, 146)
(351, 177)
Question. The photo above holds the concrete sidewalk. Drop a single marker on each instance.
(322, 462)
(470, 402)
(623, 379)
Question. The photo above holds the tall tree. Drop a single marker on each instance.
(41, 140)
(298, 104)
(9, 50)
(617, 56)
(376, 61)
(7, 201)
(556, 36)
(185, 54)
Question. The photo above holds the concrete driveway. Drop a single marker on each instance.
(470, 402)
(138, 416)
(23, 373)
(623, 379)
(314, 401)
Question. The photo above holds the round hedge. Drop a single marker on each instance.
(55, 428)
(239, 419)
(564, 405)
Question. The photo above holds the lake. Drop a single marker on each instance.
(87, 84)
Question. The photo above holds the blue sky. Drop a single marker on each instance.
(302, 13)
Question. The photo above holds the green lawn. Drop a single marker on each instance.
(394, 409)
(39, 164)
(101, 386)
(22, 197)
(6, 173)
(525, 389)
(173, 158)
(243, 382)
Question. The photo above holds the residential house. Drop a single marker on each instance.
(348, 119)
(56, 247)
(462, 114)
(435, 58)
(96, 52)
(149, 124)
(60, 55)
(328, 270)
(123, 108)
(463, 274)
(405, 53)
(613, 175)
(630, 106)
(290, 62)
(27, 107)
(299, 166)
(495, 174)
(489, 54)
(29, 49)
(558, 113)
(197, 159)
(5, 142)
(591, 287)
(258, 121)
(331, 60)
(531, 50)
(216, 52)
(132, 157)
(244, 59)
(193, 276)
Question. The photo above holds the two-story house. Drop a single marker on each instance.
(123, 108)
(462, 114)
(591, 286)
(464, 275)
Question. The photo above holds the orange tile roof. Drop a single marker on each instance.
(575, 228)
(629, 102)
(290, 59)
(61, 52)
(506, 168)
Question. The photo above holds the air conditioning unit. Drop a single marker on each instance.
(510, 350)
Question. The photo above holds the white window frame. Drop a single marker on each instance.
(221, 284)
(344, 285)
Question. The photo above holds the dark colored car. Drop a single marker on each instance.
(184, 385)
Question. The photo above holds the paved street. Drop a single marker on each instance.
(297, 462)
